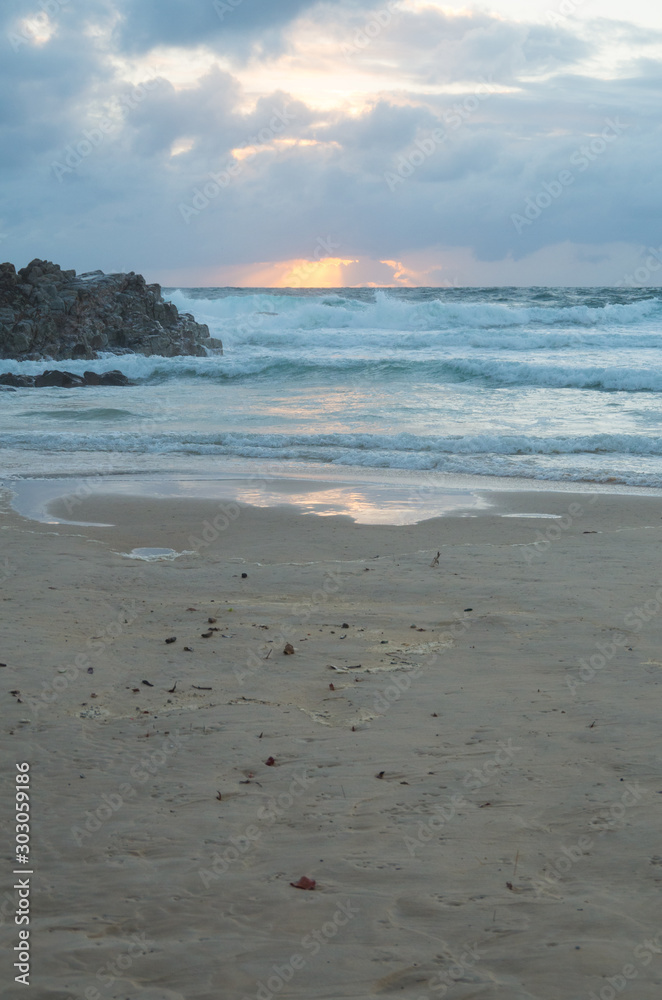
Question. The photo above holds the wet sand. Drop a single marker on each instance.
(466, 757)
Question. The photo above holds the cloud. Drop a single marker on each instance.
(437, 46)
(475, 116)
(226, 25)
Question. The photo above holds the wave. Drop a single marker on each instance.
(435, 340)
(351, 371)
(624, 459)
(516, 373)
(336, 447)
(245, 315)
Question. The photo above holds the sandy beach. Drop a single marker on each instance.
(464, 757)
(330, 500)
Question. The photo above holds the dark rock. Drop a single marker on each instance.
(46, 312)
(61, 380)
(18, 381)
(114, 377)
(8, 277)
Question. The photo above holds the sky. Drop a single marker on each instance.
(344, 142)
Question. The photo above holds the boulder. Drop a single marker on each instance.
(17, 381)
(106, 378)
(48, 313)
(62, 380)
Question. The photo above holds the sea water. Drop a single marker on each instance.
(547, 384)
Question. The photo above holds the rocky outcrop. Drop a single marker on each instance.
(49, 313)
(62, 380)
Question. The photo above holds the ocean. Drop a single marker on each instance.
(560, 385)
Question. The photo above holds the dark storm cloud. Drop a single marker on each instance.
(217, 23)
(413, 169)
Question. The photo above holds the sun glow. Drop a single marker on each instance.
(182, 146)
(329, 272)
(38, 28)
(248, 152)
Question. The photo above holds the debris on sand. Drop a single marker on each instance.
(304, 883)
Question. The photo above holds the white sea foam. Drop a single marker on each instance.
(333, 447)
(397, 366)
(271, 311)
(547, 384)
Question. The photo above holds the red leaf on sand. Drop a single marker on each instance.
(304, 883)
(270, 762)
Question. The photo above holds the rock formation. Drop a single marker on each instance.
(48, 313)
(61, 380)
